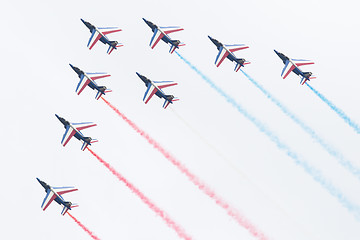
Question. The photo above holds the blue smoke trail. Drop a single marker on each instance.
(336, 109)
(345, 163)
(314, 173)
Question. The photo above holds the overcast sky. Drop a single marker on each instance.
(202, 130)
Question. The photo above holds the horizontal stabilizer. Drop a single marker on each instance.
(84, 146)
(65, 209)
(173, 47)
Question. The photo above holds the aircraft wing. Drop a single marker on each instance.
(50, 196)
(289, 66)
(168, 30)
(223, 53)
(82, 84)
(156, 38)
(81, 126)
(150, 91)
(94, 38)
(236, 47)
(164, 84)
(301, 62)
(63, 190)
(95, 76)
(69, 133)
(107, 30)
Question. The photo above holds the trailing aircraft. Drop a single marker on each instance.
(100, 34)
(155, 88)
(162, 33)
(73, 130)
(88, 79)
(54, 193)
(292, 65)
(227, 51)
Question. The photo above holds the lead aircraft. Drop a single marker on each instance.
(226, 51)
(88, 79)
(162, 33)
(99, 34)
(54, 193)
(292, 65)
(73, 130)
(155, 88)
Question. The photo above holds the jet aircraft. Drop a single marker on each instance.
(155, 87)
(226, 51)
(99, 34)
(54, 193)
(293, 65)
(90, 81)
(73, 129)
(162, 33)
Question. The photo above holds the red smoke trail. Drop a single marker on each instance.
(146, 200)
(83, 227)
(194, 179)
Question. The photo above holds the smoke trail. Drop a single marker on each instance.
(242, 174)
(194, 179)
(314, 173)
(84, 228)
(344, 162)
(336, 109)
(146, 200)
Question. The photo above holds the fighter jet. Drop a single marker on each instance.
(90, 81)
(54, 193)
(161, 33)
(226, 51)
(73, 129)
(99, 34)
(154, 87)
(293, 65)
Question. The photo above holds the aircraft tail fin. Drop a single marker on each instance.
(175, 44)
(74, 205)
(169, 99)
(88, 141)
(65, 209)
(102, 90)
(240, 63)
(68, 206)
(306, 77)
(113, 45)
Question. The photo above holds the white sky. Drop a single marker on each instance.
(224, 149)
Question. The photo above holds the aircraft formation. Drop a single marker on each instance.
(88, 79)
